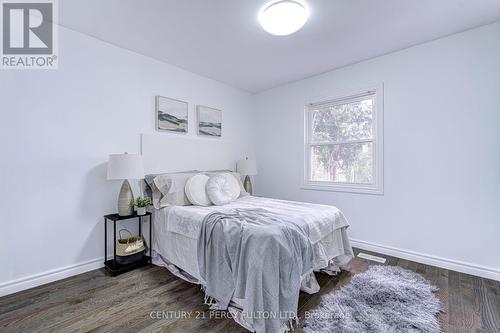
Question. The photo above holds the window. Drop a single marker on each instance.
(343, 150)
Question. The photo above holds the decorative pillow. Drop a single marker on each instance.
(147, 185)
(236, 175)
(196, 190)
(223, 188)
(168, 189)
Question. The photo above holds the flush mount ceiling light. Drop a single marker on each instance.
(283, 17)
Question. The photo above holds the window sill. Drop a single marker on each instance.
(348, 188)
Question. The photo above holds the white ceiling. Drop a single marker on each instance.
(222, 40)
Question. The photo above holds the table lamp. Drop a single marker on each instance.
(125, 166)
(247, 168)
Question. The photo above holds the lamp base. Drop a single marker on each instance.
(125, 200)
(247, 184)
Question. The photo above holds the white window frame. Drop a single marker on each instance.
(377, 187)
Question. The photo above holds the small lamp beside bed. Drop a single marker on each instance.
(247, 168)
(123, 167)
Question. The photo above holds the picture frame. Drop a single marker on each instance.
(209, 121)
(171, 115)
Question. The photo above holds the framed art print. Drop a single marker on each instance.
(171, 115)
(209, 121)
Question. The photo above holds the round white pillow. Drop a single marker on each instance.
(223, 188)
(196, 191)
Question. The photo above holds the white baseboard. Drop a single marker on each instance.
(454, 265)
(35, 280)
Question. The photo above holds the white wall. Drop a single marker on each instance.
(56, 131)
(442, 148)
(442, 151)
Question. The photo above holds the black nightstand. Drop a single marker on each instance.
(114, 267)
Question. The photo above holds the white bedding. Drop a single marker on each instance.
(176, 230)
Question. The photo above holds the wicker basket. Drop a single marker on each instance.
(129, 250)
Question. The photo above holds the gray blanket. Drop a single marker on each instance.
(255, 255)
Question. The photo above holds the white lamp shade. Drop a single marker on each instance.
(246, 167)
(125, 166)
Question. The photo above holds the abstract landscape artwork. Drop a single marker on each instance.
(171, 115)
(209, 121)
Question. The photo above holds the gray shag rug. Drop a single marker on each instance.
(385, 299)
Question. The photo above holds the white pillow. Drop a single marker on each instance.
(236, 175)
(169, 189)
(196, 190)
(222, 189)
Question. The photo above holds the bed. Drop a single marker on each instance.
(177, 232)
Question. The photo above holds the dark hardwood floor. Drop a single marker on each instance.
(132, 302)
